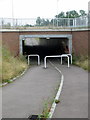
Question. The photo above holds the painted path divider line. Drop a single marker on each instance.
(58, 93)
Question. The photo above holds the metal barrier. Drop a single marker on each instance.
(33, 56)
(54, 56)
(70, 55)
(16, 23)
(65, 55)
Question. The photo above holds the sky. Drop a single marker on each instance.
(36, 8)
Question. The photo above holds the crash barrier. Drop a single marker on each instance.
(34, 55)
(55, 56)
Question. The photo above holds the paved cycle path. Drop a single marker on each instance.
(28, 94)
(74, 96)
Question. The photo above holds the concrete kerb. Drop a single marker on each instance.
(58, 93)
(11, 80)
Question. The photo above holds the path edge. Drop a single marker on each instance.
(13, 79)
(58, 92)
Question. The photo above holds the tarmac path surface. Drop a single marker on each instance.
(28, 94)
(74, 96)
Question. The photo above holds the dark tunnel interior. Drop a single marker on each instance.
(45, 46)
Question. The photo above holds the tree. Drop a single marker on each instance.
(82, 13)
(47, 22)
(42, 22)
(61, 15)
(72, 14)
(67, 14)
(38, 21)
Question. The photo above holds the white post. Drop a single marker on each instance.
(61, 60)
(45, 62)
(68, 61)
(38, 60)
(70, 57)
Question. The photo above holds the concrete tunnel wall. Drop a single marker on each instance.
(11, 39)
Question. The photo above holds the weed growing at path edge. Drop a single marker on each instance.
(11, 66)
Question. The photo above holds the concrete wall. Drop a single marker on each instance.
(79, 39)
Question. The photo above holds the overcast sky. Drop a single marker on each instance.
(42, 8)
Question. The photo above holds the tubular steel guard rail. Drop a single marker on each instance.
(61, 56)
(33, 55)
(69, 56)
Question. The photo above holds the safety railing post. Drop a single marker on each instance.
(38, 60)
(45, 62)
(68, 60)
(70, 57)
(61, 60)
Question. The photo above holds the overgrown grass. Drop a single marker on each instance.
(46, 110)
(81, 61)
(11, 66)
(48, 104)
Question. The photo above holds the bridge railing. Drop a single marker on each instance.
(8, 23)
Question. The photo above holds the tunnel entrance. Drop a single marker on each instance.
(45, 45)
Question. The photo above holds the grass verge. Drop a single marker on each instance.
(11, 66)
(81, 61)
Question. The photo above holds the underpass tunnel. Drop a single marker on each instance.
(45, 46)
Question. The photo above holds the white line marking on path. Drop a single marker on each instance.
(58, 93)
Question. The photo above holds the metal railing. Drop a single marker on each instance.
(8, 23)
(34, 55)
(58, 56)
(70, 55)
